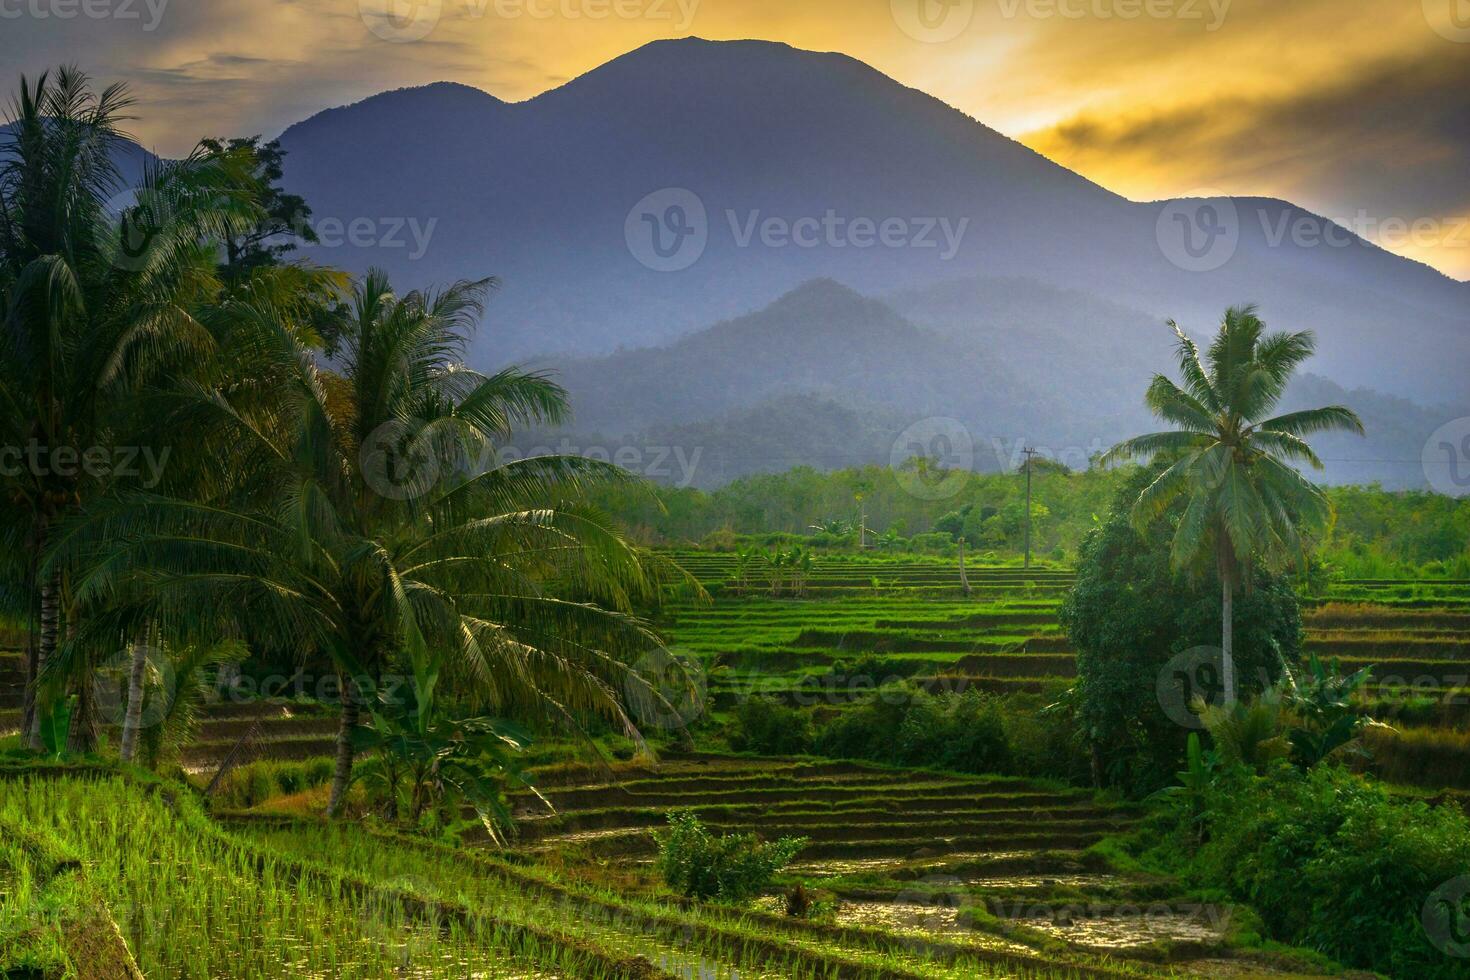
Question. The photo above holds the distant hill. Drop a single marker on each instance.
(822, 338)
(542, 193)
(828, 378)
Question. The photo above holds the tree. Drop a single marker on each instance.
(1131, 615)
(285, 219)
(94, 299)
(1230, 460)
(357, 521)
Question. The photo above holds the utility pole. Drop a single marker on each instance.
(1028, 453)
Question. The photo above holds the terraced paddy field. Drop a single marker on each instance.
(122, 876)
(861, 622)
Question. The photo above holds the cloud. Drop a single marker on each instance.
(1337, 106)
(1377, 144)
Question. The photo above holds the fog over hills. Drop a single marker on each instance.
(976, 370)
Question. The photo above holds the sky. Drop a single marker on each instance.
(1356, 109)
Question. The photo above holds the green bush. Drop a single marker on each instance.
(969, 732)
(1130, 613)
(1331, 862)
(730, 868)
(767, 727)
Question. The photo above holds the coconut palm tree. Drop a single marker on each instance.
(99, 287)
(1230, 458)
(366, 519)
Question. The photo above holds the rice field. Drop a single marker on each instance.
(184, 894)
(923, 874)
(860, 623)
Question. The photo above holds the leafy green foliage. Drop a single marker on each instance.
(1247, 734)
(1131, 612)
(968, 732)
(1320, 698)
(729, 868)
(768, 727)
(1332, 863)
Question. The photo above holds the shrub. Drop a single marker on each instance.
(1130, 613)
(1333, 863)
(967, 732)
(730, 868)
(767, 727)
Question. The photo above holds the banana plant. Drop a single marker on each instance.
(1320, 698)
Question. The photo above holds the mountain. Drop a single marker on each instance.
(829, 378)
(822, 338)
(553, 196)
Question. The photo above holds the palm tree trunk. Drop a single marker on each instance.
(81, 735)
(50, 609)
(1227, 612)
(343, 774)
(964, 578)
(133, 719)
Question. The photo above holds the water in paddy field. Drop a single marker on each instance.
(1123, 931)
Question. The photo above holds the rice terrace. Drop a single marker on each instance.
(663, 491)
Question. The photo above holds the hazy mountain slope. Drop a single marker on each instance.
(821, 338)
(827, 378)
(540, 193)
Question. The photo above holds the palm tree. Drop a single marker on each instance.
(358, 523)
(1230, 459)
(93, 299)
